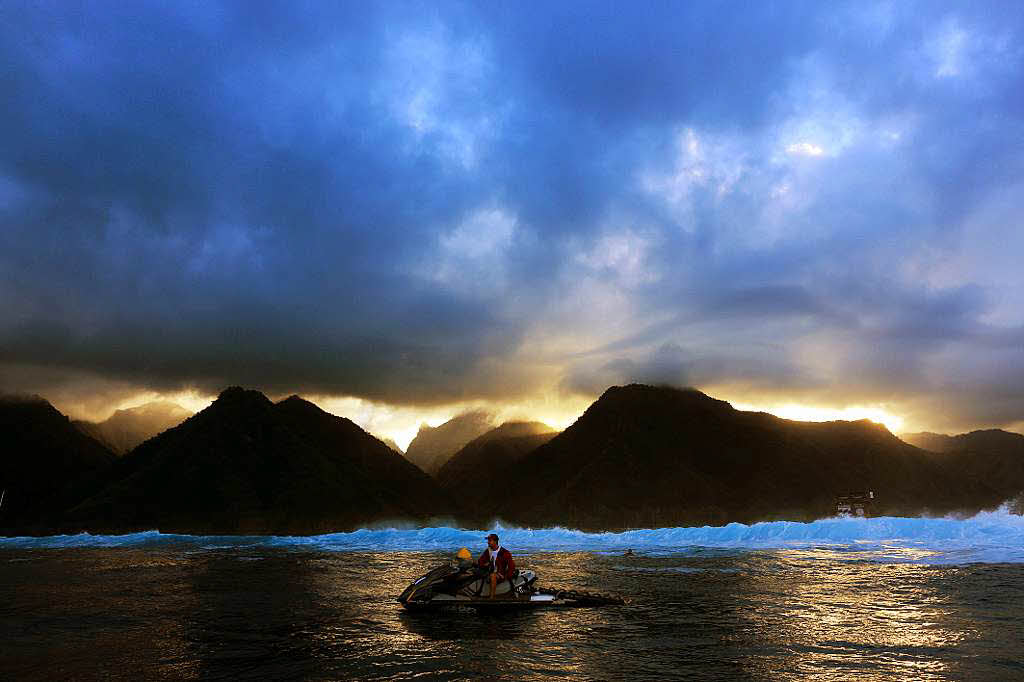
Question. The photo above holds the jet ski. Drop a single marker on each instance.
(463, 584)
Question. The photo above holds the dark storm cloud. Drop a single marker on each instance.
(197, 192)
(391, 200)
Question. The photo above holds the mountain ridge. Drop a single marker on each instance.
(248, 465)
(644, 456)
(45, 462)
(472, 474)
(130, 427)
(434, 445)
(639, 456)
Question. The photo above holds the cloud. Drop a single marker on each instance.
(471, 257)
(419, 204)
(805, 149)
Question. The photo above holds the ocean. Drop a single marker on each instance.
(836, 599)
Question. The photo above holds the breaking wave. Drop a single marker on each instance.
(988, 537)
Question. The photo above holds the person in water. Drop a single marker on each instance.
(498, 561)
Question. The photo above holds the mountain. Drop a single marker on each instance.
(433, 446)
(640, 456)
(126, 429)
(645, 456)
(392, 444)
(46, 464)
(936, 442)
(473, 473)
(988, 441)
(992, 455)
(247, 465)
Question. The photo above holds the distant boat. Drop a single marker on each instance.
(854, 504)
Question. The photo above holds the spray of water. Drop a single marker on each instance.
(987, 537)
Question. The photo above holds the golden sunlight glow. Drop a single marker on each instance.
(807, 413)
(401, 424)
(190, 400)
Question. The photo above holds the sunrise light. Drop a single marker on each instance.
(810, 413)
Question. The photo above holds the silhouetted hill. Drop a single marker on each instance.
(246, 465)
(639, 457)
(936, 442)
(992, 455)
(515, 430)
(643, 456)
(433, 446)
(988, 440)
(394, 487)
(46, 464)
(126, 429)
(475, 472)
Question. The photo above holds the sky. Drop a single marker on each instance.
(403, 210)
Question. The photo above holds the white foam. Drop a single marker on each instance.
(996, 536)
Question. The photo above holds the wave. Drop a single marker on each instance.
(988, 537)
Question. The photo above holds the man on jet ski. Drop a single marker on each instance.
(498, 561)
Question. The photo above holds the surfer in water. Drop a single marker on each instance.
(498, 561)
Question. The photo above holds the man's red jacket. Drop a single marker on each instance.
(504, 565)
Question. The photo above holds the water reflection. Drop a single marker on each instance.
(92, 614)
(832, 617)
(260, 612)
(252, 613)
(701, 615)
(400, 644)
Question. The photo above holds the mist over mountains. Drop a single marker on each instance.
(433, 446)
(125, 429)
(479, 473)
(639, 457)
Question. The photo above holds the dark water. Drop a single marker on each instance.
(296, 613)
